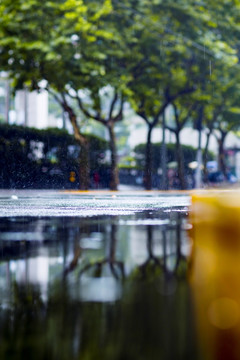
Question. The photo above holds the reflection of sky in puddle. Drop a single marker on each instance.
(144, 222)
(19, 236)
(93, 242)
(104, 289)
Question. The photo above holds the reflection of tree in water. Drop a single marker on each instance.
(153, 263)
(157, 313)
(116, 267)
(156, 264)
(152, 320)
(20, 324)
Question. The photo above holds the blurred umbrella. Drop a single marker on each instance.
(193, 165)
(172, 165)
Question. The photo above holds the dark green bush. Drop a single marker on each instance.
(32, 158)
(189, 154)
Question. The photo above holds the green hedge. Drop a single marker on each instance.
(33, 158)
(189, 154)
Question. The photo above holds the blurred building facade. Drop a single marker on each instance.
(31, 109)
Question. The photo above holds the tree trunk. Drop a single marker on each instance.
(205, 155)
(148, 161)
(180, 166)
(221, 156)
(114, 178)
(84, 174)
(164, 182)
(84, 166)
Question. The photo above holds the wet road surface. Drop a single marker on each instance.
(44, 203)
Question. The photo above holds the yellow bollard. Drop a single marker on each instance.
(215, 273)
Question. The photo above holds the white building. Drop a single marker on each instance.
(31, 109)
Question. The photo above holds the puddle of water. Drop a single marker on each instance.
(95, 287)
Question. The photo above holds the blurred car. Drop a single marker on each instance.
(217, 177)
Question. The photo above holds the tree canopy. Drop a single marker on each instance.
(148, 53)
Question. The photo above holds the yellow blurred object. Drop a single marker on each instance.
(72, 177)
(215, 272)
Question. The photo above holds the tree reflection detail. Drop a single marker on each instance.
(153, 307)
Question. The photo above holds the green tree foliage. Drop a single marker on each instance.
(38, 42)
(173, 50)
(149, 53)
